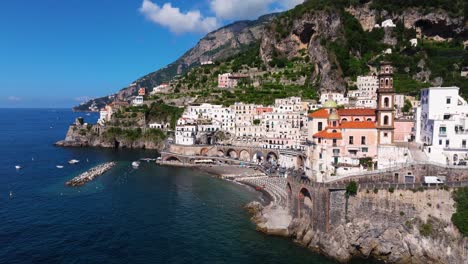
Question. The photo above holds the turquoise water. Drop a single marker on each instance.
(150, 215)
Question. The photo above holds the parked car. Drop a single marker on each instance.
(462, 163)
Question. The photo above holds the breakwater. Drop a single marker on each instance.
(90, 175)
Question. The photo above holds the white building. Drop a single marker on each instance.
(366, 94)
(339, 98)
(103, 116)
(441, 124)
(388, 23)
(399, 100)
(138, 100)
(159, 126)
(186, 132)
(162, 88)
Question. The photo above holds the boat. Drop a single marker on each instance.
(73, 161)
(135, 164)
(59, 166)
(18, 167)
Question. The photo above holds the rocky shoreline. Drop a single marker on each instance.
(401, 228)
(90, 175)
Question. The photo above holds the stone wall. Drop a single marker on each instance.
(384, 225)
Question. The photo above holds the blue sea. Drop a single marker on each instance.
(150, 215)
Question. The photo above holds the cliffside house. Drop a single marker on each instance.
(441, 124)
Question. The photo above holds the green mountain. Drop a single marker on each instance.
(319, 46)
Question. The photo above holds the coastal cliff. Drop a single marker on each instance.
(395, 227)
(84, 135)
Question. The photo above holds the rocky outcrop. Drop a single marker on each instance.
(309, 33)
(395, 227)
(79, 135)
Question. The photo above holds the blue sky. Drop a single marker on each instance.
(55, 53)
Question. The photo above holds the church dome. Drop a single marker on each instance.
(330, 104)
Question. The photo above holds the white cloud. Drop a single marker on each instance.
(13, 98)
(176, 21)
(194, 22)
(288, 4)
(240, 9)
(249, 9)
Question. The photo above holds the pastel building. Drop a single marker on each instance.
(339, 142)
(227, 80)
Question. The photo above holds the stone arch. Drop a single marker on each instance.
(172, 158)
(272, 157)
(257, 156)
(299, 163)
(220, 153)
(244, 155)
(232, 153)
(304, 203)
(204, 152)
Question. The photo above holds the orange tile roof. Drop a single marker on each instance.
(321, 113)
(328, 135)
(357, 112)
(357, 125)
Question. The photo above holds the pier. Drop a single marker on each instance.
(90, 175)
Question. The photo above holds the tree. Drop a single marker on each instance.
(351, 189)
(407, 107)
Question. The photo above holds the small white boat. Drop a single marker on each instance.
(73, 161)
(59, 167)
(18, 167)
(135, 164)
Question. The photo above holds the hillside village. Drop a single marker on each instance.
(350, 117)
(371, 128)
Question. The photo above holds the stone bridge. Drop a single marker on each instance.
(241, 153)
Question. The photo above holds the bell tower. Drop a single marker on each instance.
(385, 105)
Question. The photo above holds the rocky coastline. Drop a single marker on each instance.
(90, 175)
(83, 135)
(401, 228)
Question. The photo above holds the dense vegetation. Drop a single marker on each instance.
(460, 217)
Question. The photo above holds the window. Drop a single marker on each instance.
(447, 143)
(319, 140)
(320, 155)
(386, 102)
(365, 150)
(464, 143)
(449, 100)
(385, 120)
(446, 116)
(440, 141)
(320, 126)
(363, 140)
(385, 134)
(442, 130)
(351, 140)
